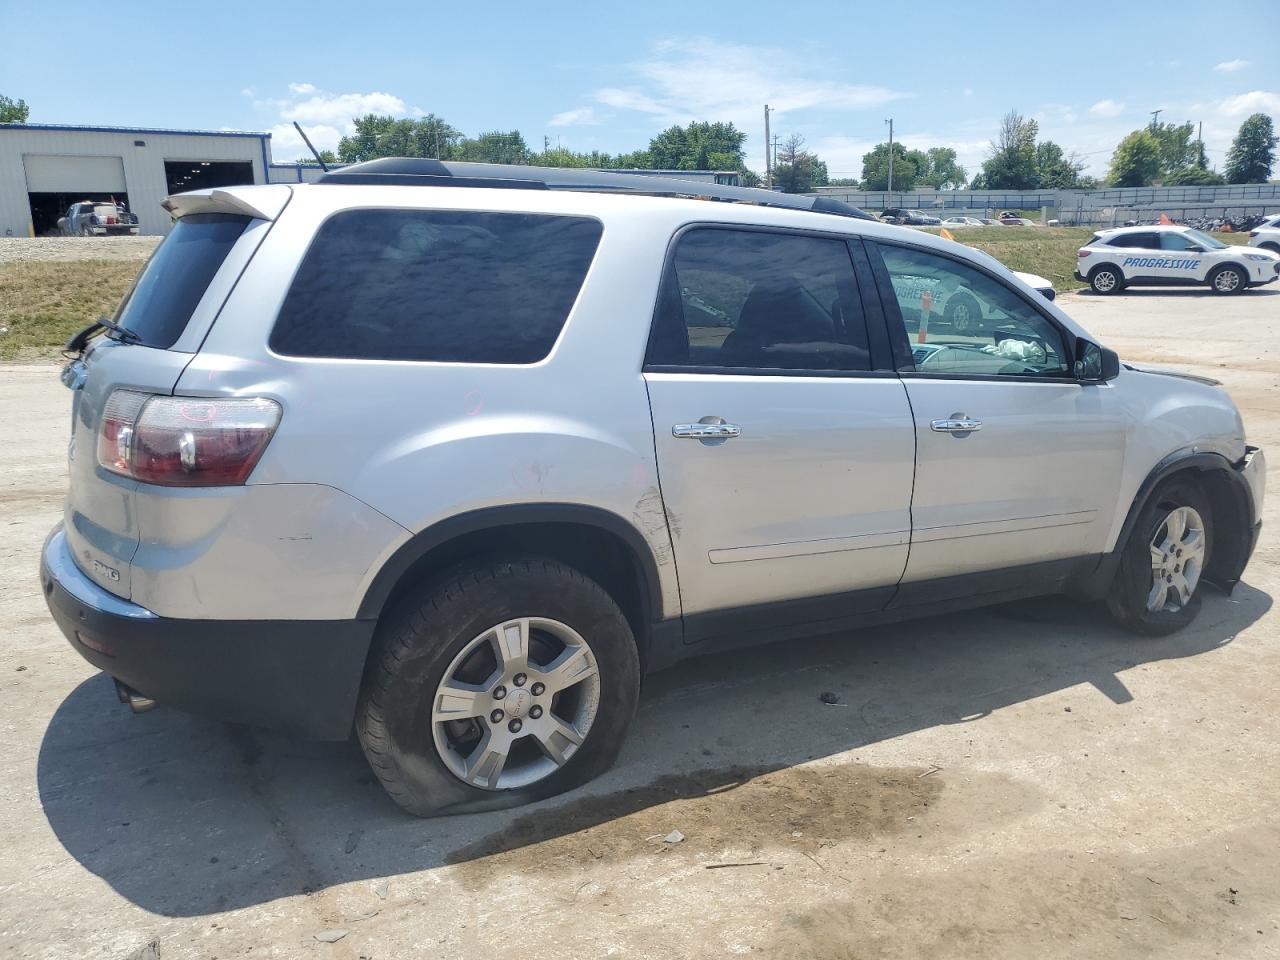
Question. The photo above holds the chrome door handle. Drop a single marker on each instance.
(956, 423)
(710, 430)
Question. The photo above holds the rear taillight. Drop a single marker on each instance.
(185, 441)
(1082, 253)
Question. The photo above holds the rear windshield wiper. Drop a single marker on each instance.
(77, 343)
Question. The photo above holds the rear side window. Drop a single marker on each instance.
(744, 299)
(436, 285)
(1137, 241)
(162, 300)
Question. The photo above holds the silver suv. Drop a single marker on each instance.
(454, 460)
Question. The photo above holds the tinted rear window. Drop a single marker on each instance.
(436, 285)
(162, 300)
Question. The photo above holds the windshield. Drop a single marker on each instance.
(1206, 241)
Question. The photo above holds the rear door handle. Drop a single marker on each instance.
(710, 430)
(956, 423)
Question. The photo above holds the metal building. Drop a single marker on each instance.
(44, 168)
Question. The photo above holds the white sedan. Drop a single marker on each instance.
(1171, 256)
(963, 222)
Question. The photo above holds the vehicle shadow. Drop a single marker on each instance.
(185, 816)
(1185, 293)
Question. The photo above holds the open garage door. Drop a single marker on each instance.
(47, 174)
(183, 175)
(56, 182)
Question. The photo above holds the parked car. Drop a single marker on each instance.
(1159, 255)
(1017, 222)
(1266, 235)
(951, 222)
(97, 219)
(901, 215)
(424, 462)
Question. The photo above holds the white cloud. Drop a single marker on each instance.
(578, 117)
(1107, 108)
(1255, 101)
(697, 78)
(248, 92)
(326, 117)
(968, 91)
(1231, 66)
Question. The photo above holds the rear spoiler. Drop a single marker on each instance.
(260, 202)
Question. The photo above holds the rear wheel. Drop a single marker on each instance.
(1228, 280)
(1106, 280)
(1156, 589)
(509, 681)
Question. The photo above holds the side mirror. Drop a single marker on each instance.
(1095, 364)
(1195, 248)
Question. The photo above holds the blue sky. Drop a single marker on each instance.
(610, 76)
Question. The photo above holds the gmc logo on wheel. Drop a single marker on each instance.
(108, 573)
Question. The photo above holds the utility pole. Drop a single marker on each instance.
(1155, 115)
(776, 138)
(768, 165)
(546, 143)
(1200, 157)
(890, 123)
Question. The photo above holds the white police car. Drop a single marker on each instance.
(1171, 256)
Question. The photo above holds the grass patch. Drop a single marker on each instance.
(43, 303)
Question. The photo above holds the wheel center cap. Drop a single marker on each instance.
(517, 703)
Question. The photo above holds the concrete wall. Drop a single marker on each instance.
(143, 165)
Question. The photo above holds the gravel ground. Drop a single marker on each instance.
(34, 249)
(994, 785)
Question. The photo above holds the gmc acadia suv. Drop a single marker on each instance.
(454, 455)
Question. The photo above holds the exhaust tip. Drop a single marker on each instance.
(136, 701)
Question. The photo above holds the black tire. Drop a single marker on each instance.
(963, 313)
(1220, 284)
(1099, 276)
(1127, 599)
(417, 642)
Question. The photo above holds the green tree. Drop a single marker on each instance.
(1055, 170)
(1136, 162)
(13, 111)
(1178, 147)
(1011, 164)
(635, 160)
(796, 170)
(699, 146)
(1194, 176)
(1253, 152)
(942, 172)
(377, 136)
(875, 168)
(495, 146)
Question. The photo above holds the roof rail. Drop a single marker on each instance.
(413, 171)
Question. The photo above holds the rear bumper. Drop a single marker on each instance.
(301, 676)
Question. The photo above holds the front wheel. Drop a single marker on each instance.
(1228, 280)
(963, 313)
(509, 681)
(1106, 280)
(1156, 589)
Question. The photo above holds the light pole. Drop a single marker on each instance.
(890, 123)
(768, 164)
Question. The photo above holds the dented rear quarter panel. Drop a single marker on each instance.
(419, 442)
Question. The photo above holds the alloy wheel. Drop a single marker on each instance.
(516, 703)
(1177, 559)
